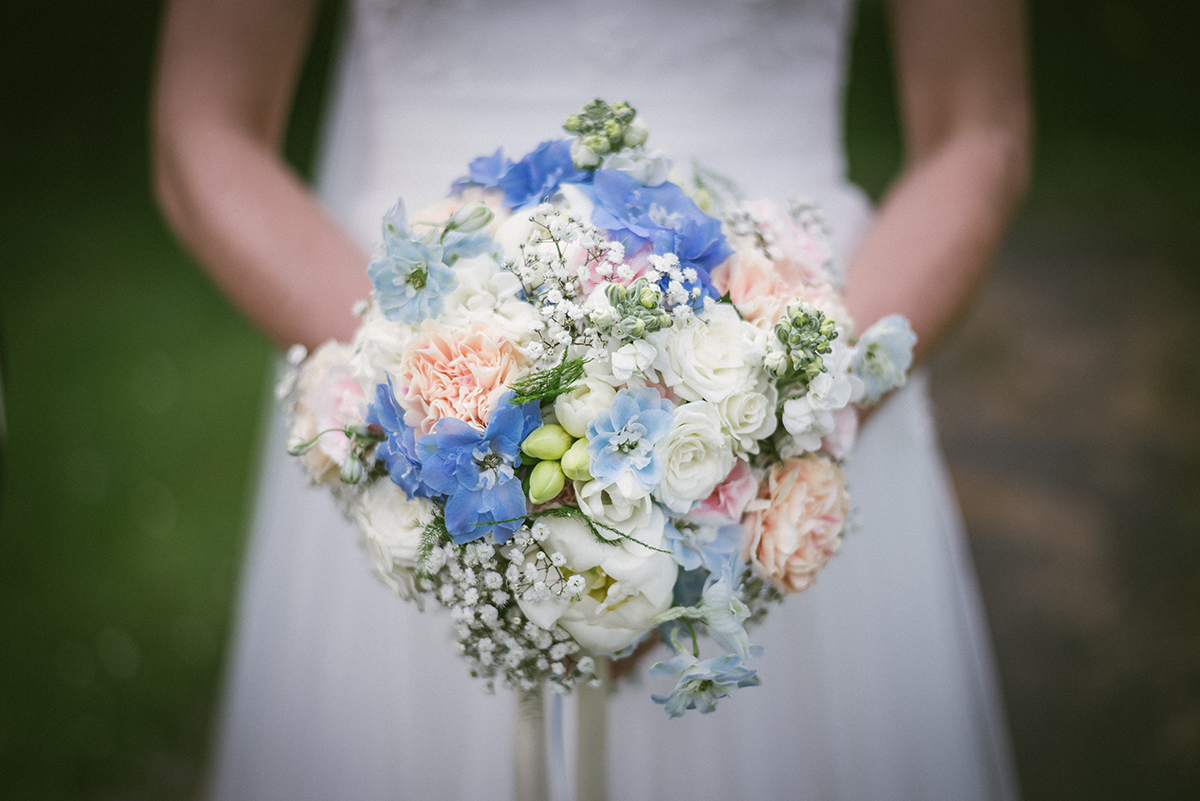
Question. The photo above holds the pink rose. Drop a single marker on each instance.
(841, 440)
(728, 500)
(328, 398)
(798, 527)
(799, 255)
(754, 285)
(454, 373)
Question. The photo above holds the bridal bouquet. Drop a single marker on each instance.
(584, 403)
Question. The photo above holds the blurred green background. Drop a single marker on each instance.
(133, 396)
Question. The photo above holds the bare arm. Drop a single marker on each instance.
(226, 74)
(962, 86)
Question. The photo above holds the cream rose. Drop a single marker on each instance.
(695, 454)
(449, 373)
(580, 406)
(795, 526)
(708, 360)
(625, 507)
(624, 590)
(392, 526)
(749, 416)
(379, 347)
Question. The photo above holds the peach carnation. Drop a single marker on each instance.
(797, 526)
(454, 373)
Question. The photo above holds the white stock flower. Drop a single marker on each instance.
(708, 360)
(647, 167)
(696, 456)
(488, 294)
(632, 358)
(623, 591)
(391, 526)
(577, 408)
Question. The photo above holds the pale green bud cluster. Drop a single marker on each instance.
(472, 217)
(602, 128)
(806, 334)
(636, 310)
(560, 456)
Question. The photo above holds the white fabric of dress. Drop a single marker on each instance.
(878, 683)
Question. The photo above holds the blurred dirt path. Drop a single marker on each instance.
(1069, 409)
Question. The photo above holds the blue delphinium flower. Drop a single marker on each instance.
(695, 546)
(701, 683)
(538, 175)
(885, 352)
(399, 451)
(475, 472)
(661, 215)
(621, 439)
(411, 276)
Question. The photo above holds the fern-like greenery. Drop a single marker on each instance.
(545, 385)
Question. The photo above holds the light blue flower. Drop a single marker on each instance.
(475, 471)
(399, 451)
(885, 352)
(621, 439)
(705, 546)
(701, 684)
(410, 277)
(722, 612)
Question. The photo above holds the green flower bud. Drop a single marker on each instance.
(649, 297)
(473, 216)
(548, 442)
(352, 470)
(574, 123)
(575, 461)
(623, 111)
(632, 326)
(613, 130)
(597, 143)
(582, 156)
(298, 447)
(546, 481)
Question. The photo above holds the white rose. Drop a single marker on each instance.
(750, 416)
(392, 526)
(632, 588)
(708, 360)
(489, 294)
(695, 454)
(579, 407)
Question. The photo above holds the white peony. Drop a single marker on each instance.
(577, 408)
(624, 591)
(391, 527)
(709, 361)
(696, 456)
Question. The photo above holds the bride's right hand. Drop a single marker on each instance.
(226, 73)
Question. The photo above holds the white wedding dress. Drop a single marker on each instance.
(878, 683)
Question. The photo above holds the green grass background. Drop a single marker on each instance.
(133, 392)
